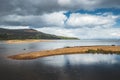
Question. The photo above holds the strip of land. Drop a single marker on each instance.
(68, 50)
(26, 41)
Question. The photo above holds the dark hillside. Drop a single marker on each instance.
(7, 34)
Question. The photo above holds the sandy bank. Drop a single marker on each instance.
(69, 50)
(26, 41)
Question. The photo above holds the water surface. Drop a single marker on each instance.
(61, 67)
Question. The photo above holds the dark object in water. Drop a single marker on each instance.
(67, 47)
(113, 45)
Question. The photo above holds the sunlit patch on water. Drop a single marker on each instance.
(78, 59)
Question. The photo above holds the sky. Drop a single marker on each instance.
(85, 19)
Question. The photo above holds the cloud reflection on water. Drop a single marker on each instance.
(78, 59)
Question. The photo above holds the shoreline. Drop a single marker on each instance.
(26, 41)
(67, 50)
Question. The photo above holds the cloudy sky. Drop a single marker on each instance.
(75, 18)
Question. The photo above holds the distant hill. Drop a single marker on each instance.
(9, 34)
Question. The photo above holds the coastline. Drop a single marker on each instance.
(26, 41)
(67, 50)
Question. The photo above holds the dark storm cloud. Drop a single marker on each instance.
(110, 4)
(40, 7)
(6, 7)
(27, 7)
(34, 7)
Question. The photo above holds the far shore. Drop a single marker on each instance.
(26, 41)
(68, 50)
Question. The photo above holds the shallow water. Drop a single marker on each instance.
(62, 67)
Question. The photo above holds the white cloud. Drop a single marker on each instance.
(83, 33)
(88, 20)
(51, 19)
(14, 27)
(105, 33)
(116, 34)
(58, 31)
(56, 18)
(64, 2)
(47, 6)
(83, 26)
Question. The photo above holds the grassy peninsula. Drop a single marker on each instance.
(68, 50)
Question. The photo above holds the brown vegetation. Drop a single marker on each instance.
(26, 41)
(68, 50)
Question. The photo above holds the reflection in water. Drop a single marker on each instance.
(77, 59)
(85, 66)
(63, 67)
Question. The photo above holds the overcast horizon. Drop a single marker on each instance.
(85, 19)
